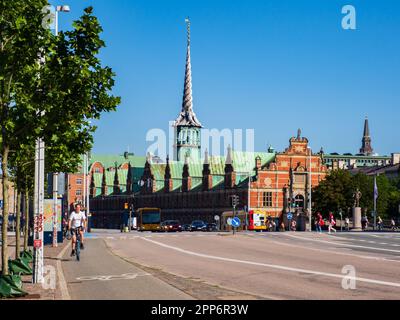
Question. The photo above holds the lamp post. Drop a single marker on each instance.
(55, 174)
(63, 8)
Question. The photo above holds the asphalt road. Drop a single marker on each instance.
(100, 275)
(271, 265)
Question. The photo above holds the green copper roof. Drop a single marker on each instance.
(243, 163)
(109, 161)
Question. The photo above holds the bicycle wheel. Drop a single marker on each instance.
(78, 249)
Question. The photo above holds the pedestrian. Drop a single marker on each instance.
(347, 223)
(393, 225)
(380, 223)
(293, 225)
(363, 222)
(331, 223)
(282, 229)
(273, 226)
(366, 223)
(318, 221)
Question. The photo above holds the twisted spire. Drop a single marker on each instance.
(187, 116)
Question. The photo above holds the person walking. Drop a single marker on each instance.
(332, 223)
(293, 226)
(380, 223)
(393, 225)
(366, 223)
(319, 222)
(347, 223)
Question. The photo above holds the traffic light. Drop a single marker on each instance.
(126, 205)
(235, 201)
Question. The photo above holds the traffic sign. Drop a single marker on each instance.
(290, 216)
(229, 221)
(37, 243)
(236, 222)
(216, 218)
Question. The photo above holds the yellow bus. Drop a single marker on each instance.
(148, 219)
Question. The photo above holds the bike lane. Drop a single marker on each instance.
(100, 275)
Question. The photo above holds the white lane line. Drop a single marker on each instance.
(336, 252)
(343, 244)
(111, 238)
(61, 279)
(363, 240)
(273, 266)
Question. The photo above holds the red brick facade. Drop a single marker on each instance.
(286, 180)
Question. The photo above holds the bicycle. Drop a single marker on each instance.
(77, 243)
(78, 246)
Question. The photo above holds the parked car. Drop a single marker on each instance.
(171, 226)
(186, 227)
(198, 225)
(211, 227)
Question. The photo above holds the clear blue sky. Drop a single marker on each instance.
(271, 65)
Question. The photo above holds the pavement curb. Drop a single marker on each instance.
(63, 284)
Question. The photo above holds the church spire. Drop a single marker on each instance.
(187, 117)
(366, 148)
(366, 128)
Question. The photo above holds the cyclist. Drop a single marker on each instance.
(77, 222)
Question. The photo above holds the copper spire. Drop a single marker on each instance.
(187, 116)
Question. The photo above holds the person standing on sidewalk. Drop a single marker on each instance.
(332, 223)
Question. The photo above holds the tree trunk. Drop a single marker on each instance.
(18, 226)
(4, 247)
(26, 232)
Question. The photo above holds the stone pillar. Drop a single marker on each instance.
(357, 219)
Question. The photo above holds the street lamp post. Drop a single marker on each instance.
(55, 174)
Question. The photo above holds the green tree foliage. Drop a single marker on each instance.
(337, 192)
(50, 87)
(334, 193)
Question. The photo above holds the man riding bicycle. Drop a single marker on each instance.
(77, 223)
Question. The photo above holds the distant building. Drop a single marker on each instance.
(366, 157)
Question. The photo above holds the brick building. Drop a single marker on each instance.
(271, 182)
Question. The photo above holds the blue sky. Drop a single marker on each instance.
(271, 65)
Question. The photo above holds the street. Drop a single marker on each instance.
(246, 266)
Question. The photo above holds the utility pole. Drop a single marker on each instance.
(38, 213)
(55, 208)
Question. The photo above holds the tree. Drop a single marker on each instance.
(334, 193)
(54, 99)
(337, 190)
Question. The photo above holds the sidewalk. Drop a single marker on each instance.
(52, 258)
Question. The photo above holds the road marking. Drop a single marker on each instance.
(111, 238)
(63, 284)
(343, 244)
(336, 252)
(126, 276)
(279, 267)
